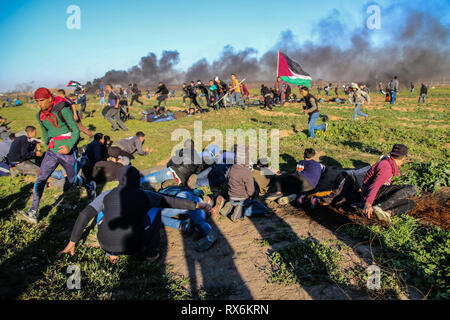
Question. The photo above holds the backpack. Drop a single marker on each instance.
(57, 109)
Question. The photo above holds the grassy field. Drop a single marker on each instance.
(410, 254)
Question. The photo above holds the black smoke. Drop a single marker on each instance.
(411, 45)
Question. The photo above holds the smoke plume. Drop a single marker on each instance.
(411, 45)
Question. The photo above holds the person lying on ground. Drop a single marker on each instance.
(214, 168)
(241, 190)
(344, 191)
(134, 145)
(61, 134)
(379, 196)
(106, 171)
(196, 219)
(126, 223)
(5, 146)
(23, 153)
(305, 179)
(181, 166)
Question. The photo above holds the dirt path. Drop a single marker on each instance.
(239, 258)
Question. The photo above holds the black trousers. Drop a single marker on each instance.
(83, 109)
(396, 198)
(194, 101)
(267, 102)
(293, 183)
(162, 98)
(135, 98)
(115, 152)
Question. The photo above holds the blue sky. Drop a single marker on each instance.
(37, 45)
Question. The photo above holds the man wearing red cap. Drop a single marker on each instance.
(61, 133)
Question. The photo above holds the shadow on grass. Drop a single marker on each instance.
(15, 202)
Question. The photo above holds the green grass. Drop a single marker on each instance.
(411, 253)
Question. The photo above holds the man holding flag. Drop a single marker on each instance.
(291, 72)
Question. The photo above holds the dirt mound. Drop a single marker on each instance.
(434, 209)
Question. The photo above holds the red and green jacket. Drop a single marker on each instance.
(56, 131)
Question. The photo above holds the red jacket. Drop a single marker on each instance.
(379, 174)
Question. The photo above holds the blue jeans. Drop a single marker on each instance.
(422, 97)
(197, 216)
(358, 112)
(236, 97)
(102, 101)
(312, 124)
(393, 97)
(158, 176)
(251, 207)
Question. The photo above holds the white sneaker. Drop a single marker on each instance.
(382, 215)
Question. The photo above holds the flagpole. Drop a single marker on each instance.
(278, 62)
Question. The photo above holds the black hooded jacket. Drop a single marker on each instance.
(186, 162)
(122, 229)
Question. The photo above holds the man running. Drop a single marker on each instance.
(135, 94)
(163, 93)
(112, 111)
(312, 110)
(60, 132)
(357, 97)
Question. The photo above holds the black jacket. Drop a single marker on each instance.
(122, 230)
(192, 91)
(203, 89)
(311, 104)
(185, 163)
(423, 90)
(95, 152)
(224, 87)
(162, 89)
(21, 150)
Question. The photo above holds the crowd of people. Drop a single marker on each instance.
(129, 216)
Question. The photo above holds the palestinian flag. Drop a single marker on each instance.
(291, 72)
(74, 84)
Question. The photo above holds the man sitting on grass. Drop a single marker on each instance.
(379, 196)
(126, 223)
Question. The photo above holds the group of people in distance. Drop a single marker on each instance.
(129, 216)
